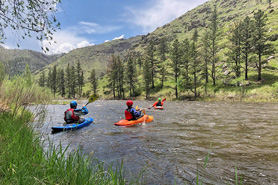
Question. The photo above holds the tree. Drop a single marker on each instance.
(176, 57)
(42, 79)
(139, 62)
(206, 58)
(28, 75)
(259, 39)
(29, 17)
(73, 82)
(68, 81)
(79, 78)
(54, 80)
(247, 29)
(49, 79)
(112, 74)
(93, 80)
(131, 74)
(151, 60)
(195, 62)
(2, 73)
(185, 58)
(213, 40)
(162, 50)
(236, 48)
(61, 82)
(147, 76)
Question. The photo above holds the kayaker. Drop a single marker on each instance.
(158, 103)
(73, 114)
(130, 112)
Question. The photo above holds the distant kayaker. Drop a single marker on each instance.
(73, 114)
(131, 113)
(158, 103)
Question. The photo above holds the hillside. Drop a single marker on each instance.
(15, 60)
(97, 56)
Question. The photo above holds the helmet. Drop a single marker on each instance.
(159, 99)
(73, 104)
(129, 103)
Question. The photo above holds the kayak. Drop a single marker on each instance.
(158, 107)
(66, 127)
(125, 122)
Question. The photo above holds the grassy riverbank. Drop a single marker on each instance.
(23, 160)
(22, 157)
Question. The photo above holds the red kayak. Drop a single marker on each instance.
(125, 122)
(158, 107)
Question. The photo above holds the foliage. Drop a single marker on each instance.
(32, 16)
(2, 73)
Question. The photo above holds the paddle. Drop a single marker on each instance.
(92, 98)
(161, 101)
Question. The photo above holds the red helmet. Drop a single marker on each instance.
(129, 103)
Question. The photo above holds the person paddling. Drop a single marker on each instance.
(72, 115)
(158, 103)
(131, 113)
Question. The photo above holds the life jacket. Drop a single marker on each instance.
(157, 103)
(70, 117)
(128, 115)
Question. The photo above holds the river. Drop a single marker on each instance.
(242, 136)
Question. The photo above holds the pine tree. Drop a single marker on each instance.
(28, 75)
(247, 29)
(68, 81)
(151, 60)
(42, 79)
(206, 58)
(73, 82)
(49, 79)
(213, 40)
(147, 76)
(54, 80)
(139, 62)
(2, 73)
(236, 48)
(185, 58)
(62, 82)
(195, 62)
(112, 74)
(131, 74)
(259, 39)
(162, 50)
(93, 80)
(176, 57)
(79, 78)
(120, 78)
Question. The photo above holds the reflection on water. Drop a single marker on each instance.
(242, 135)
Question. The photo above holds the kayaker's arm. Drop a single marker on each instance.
(84, 110)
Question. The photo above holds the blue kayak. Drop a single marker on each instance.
(66, 127)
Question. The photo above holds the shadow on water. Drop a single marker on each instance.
(242, 135)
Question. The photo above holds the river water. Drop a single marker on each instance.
(242, 136)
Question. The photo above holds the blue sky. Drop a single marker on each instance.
(91, 22)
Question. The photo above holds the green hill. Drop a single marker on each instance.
(97, 56)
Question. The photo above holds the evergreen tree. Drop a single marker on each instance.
(139, 62)
(73, 82)
(151, 60)
(112, 74)
(28, 75)
(206, 58)
(236, 48)
(259, 39)
(120, 78)
(195, 62)
(79, 78)
(176, 57)
(185, 58)
(247, 29)
(213, 40)
(68, 81)
(147, 76)
(49, 79)
(131, 74)
(93, 80)
(162, 50)
(54, 80)
(61, 83)
(42, 79)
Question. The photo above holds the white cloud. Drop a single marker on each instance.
(107, 41)
(160, 12)
(120, 37)
(65, 42)
(94, 28)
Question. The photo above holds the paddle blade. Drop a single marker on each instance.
(164, 100)
(136, 108)
(93, 98)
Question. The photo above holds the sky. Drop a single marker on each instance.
(92, 22)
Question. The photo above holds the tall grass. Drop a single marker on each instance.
(22, 157)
